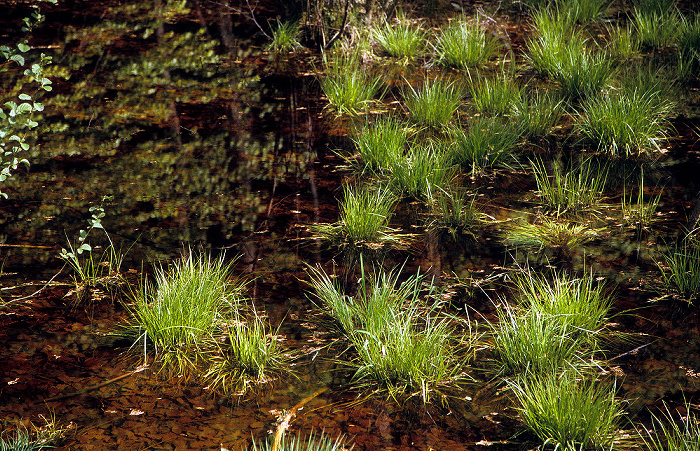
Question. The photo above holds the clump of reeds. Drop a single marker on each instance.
(401, 38)
(434, 103)
(349, 86)
(486, 142)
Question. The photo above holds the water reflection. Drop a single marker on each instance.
(174, 117)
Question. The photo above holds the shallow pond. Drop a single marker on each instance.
(205, 140)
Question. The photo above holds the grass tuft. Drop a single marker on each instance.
(495, 96)
(402, 39)
(486, 142)
(673, 432)
(422, 172)
(537, 114)
(463, 45)
(312, 443)
(569, 412)
(434, 104)
(682, 270)
(285, 37)
(381, 144)
(570, 190)
(402, 348)
(549, 233)
(349, 87)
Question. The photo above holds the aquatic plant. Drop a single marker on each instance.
(654, 28)
(40, 438)
(249, 354)
(579, 304)
(582, 11)
(434, 103)
(681, 270)
(688, 65)
(311, 443)
(673, 432)
(285, 37)
(403, 348)
(401, 39)
(495, 96)
(570, 190)
(349, 87)
(637, 211)
(185, 307)
(549, 233)
(580, 70)
(454, 212)
(364, 218)
(629, 121)
(422, 172)
(537, 114)
(463, 45)
(90, 271)
(381, 143)
(487, 142)
(569, 411)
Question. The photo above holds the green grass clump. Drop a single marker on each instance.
(572, 189)
(381, 143)
(569, 412)
(486, 142)
(578, 304)
(689, 48)
(401, 39)
(549, 233)
(349, 86)
(530, 343)
(622, 42)
(582, 11)
(630, 121)
(637, 211)
(184, 308)
(453, 212)
(23, 440)
(564, 54)
(495, 96)
(285, 37)
(422, 172)
(463, 45)
(403, 348)
(433, 104)
(656, 29)
(364, 218)
(682, 270)
(537, 114)
(673, 432)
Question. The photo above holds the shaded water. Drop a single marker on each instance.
(203, 139)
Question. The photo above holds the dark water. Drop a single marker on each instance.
(174, 110)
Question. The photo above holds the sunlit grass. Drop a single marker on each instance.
(549, 233)
(673, 431)
(655, 28)
(570, 412)
(622, 42)
(553, 33)
(433, 104)
(349, 86)
(381, 143)
(495, 96)
(583, 11)
(180, 312)
(364, 218)
(486, 142)
(285, 37)
(537, 114)
(463, 45)
(248, 354)
(572, 189)
(401, 39)
(311, 443)
(403, 349)
(681, 270)
(636, 210)
(422, 172)
(21, 439)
